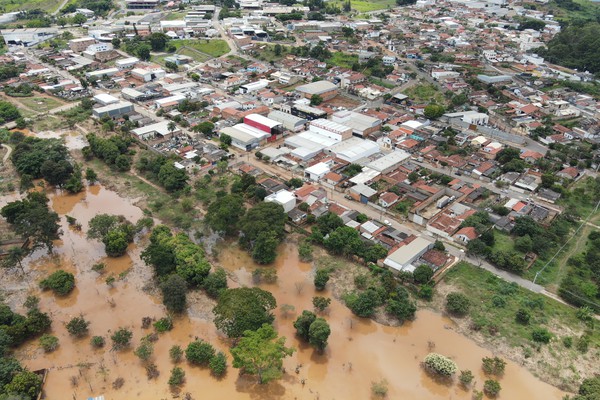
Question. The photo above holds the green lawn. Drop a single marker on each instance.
(493, 306)
(175, 16)
(16, 5)
(214, 48)
(40, 104)
(344, 60)
(365, 6)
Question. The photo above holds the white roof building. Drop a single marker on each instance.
(403, 257)
(283, 197)
(105, 99)
(353, 149)
(389, 162)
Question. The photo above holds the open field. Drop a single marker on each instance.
(344, 60)
(214, 48)
(367, 6)
(491, 320)
(16, 5)
(40, 104)
(425, 93)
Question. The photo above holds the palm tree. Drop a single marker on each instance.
(14, 257)
(171, 126)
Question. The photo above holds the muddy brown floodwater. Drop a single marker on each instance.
(360, 351)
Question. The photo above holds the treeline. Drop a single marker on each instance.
(162, 170)
(8, 112)
(260, 229)
(17, 381)
(575, 47)
(114, 151)
(100, 7)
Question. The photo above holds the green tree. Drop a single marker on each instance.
(318, 333)
(329, 222)
(541, 335)
(218, 364)
(199, 352)
(265, 248)
(121, 338)
(493, 365)
(175, 353)
(91, 176)
(466, 377)
(60, 282)
(422, 274)
(401, 308)
(321, 279)
(434, 111)
(79, 19)
(491, 388)
(316, 100)
(243, 309)
(78, 326)
(440, 364)
(364, 304)
(261, 353)
(25, 382)
(144, 350)
(177, 377)
(263, 217)
(215, 283)
(143, 52)
(174, 292)
(523, 316)
(457, 304)
(115, 243)
(14, 256)
(303, 322)
(321, 303)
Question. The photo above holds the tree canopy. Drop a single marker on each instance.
(261, 353)
(32, 218)
(224, 214)
(575, 46)
(243, 309)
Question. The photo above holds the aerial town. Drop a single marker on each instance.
(341, 199)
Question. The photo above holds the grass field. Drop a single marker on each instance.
(425, 93)
(366, 6)
(344, 60)
(493, 306)
(40, 104)
(214, 48)
(16, 5)
(175, 16)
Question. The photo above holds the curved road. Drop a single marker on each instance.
(9, 150)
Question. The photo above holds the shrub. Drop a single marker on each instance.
(523, 316)
(199, 352)
(175, 353)
(567, 342)
(49, 343)
(493, 365)
(97, 341)
(498, 301)
(583, 343)
(379, 389)
(177, 377)
(216, 282)
(541, 335)
(218, 364)
(321, 303)
(78, 326)
(457, 304)
(60, 282)
(144, 350)
(439, 364)
(491, 388)
(425, 292)
(466, 377)
(163, 325)
(360, 281)
(174, 291)
(321, 279)
(121, 338)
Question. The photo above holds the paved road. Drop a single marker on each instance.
(60, 7)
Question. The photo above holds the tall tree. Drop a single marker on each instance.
(261, 353)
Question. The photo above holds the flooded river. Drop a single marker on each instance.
(360, 351)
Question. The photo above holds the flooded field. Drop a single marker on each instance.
(360, 351)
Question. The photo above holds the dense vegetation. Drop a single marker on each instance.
(32, 218)
(576, 47)
(114, 231)
(49, 159)
(114, 151)
(581, 286)
(162, 170)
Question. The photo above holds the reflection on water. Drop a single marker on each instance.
(360, 351)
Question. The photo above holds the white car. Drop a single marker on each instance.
(388, 223)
